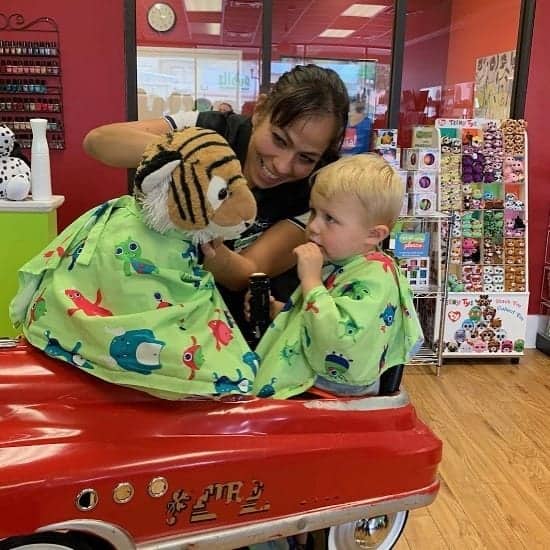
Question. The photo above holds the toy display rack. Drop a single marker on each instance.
(483, 179)
(430, 300)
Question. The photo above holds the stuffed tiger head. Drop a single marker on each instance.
(191, 180)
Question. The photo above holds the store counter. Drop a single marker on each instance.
(26, 228)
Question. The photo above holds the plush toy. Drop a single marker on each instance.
(121, 292)
(15, 175)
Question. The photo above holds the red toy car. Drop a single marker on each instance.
(85, 464)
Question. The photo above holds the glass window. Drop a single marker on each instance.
(458, 61)
(209, 59)
(355, 40)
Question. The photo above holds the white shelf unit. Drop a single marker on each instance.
(430, 301)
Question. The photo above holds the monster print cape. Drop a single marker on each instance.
(341, 335)
(117, 299)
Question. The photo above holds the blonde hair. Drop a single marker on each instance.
(371, 179)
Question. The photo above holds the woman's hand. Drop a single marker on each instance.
(310, 264)
(209, 248)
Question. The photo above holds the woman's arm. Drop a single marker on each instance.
(122, 144)
(272, 254)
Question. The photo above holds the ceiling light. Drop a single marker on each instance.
(363, 10)
(206, 28)
(336, 33)
(203, 5)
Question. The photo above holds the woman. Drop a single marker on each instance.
(295, 129)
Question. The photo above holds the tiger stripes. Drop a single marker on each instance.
(204, 154)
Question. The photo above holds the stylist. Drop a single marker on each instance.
(295, 129)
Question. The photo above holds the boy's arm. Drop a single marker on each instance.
(345, 332)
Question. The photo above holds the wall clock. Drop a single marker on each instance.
(161, 17)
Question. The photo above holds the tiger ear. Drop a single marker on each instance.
(163, 174)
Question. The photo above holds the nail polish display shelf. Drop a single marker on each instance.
(30, 77)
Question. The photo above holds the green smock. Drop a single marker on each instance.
(343, 334)
(132, 306)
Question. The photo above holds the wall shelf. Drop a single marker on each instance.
(30, 78)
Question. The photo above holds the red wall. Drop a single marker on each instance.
(537, 115)
(479, 29)
(94, 80)
(146, 36)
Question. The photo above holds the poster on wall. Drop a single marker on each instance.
(493, 85)
(485, 324)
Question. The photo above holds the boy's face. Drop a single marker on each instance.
(338, 226)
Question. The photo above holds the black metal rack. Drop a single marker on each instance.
(30, 77)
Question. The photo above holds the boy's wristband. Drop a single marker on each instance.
(181, 120)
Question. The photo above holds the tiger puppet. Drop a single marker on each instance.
(121, 292)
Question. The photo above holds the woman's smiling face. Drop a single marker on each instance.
(279, 155)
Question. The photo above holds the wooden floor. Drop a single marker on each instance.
(494, 420)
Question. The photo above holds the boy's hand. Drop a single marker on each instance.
(310, 264)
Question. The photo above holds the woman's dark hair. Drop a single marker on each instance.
(305, 91)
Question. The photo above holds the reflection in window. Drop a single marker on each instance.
(170, 80)
(455, 65)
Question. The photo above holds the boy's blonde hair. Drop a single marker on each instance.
(371, 179)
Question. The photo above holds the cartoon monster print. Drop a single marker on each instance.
(75, 253)
(310, 306)
(190, 252)
(100, 210)
(267, 390)
(388, 316)
(161, 303)
(350, 328)
(60, 251)
(53, 349)
(221, 331)
(224, 384)
(83, 304)
(331, 279)
(252, 359)
(137, 350)
(356, 290)
(289, 352)
(336, 366)
(193, 357)
(129, 252)
(386, 261)
(38, 308)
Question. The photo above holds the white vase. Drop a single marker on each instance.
(41, 182)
